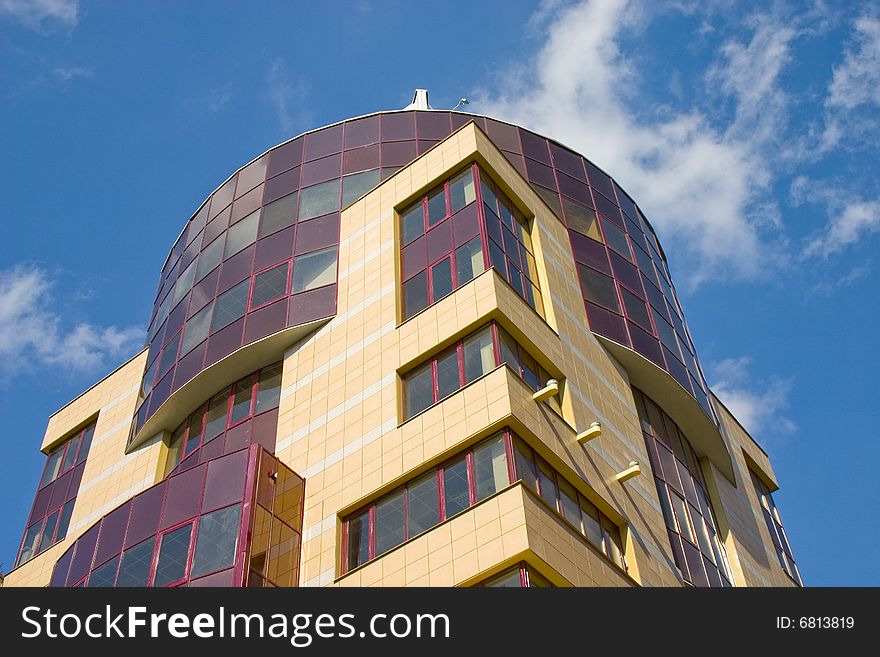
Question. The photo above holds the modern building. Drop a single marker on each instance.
(418, 348)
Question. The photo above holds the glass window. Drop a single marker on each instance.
(242, 393)
(479, 355)
(468, 261)
(569, 500)
(462, 191)
(46, 540)
(215, 422)
(230, 306)
(455, 484)
(418, 390)
(422, 504)
(193, 439)
(197, 328)
(53, 464)
(636, 309)
(358, 184)
(441, 279)
(415, 294)
(592, 526)
(490, 468)
(436, 206)
(70, 450)
(269, 389)
(86, 443)
(210, 257)
(242, 234)
(581, 219)
(525, 465)
(135, 567)
(510, 579)
(358, 540)
(184, 283)
(319, 199)
(64, 520)
(30, 543)
(546, 483)
(389, 532)
(270, 285)
(173, 551)
(277, 215)
(537, 581)
(314, 270)
(679, 506)
(599, 288)
(216, 541)
(497, 259)
(447, 374)
(104, 576)
(617, 239)
(613, 543)
(412, 223)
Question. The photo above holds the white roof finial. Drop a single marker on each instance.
(419, 101)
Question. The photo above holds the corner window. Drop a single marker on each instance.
(777, 532)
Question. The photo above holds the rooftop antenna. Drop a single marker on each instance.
(419, 101)
(462, 101)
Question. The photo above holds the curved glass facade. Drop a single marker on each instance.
(260, 254)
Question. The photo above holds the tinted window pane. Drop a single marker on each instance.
(210, 257)
(197, 328)
(679, 506)
(441, 279)
(422, 504)
(64, 520)
(48, 532)
(436, 206)
(29, 545)
(447, 374)
(418, 390)
(53, 463)
(617, 239)
(569, 498)
(269, 390)
(215, 545)
(613, 544)
(358, 548)
(241, 400)
(105, 575)
(490, 468)
(70, 453)
(183, 284)
(412, 223)
(389, 530)
(455, 482)
(135, 567)
(355, 186)
(171, 565)
(479, 355)
(269, 285)
(242, 234)
(546, 484)
(314, 270)
(462, 191)
(509, 579)
(319, 199)
(230, 306)
(599, 288)
(277, 215)
(525, 466)
(468, 260)
(415, 294)
(581, 219)
(215, 422)
(592, 528)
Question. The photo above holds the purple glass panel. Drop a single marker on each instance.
(466, 224)
(236, 269)
(517, 162)
(414, 258)
(223, 578)
(59, 574)
(362, 131)
(112, 533)
(281, 186)
(184, 495)
(41, 503)
(608, 209)
(589, 252)
(439, 240)
(75, 479)
(225, 482)
(459, 120)
(318, 171)
(197, 223)
(534, 146)
(574, 189)
(211, 449)
(678, 370)
(216, 226)
(678, 554)
(568, 162)
(82, 556)
(223, 197)
(189, 366)
(540, 174)
(273, 249)
(161, 391)
(626, 203)
(251, 176)
(317, 233)
(176, 317)
(432, 125)
(203, 292)
(265, 429)
(398, 153)
(266, 321)
(396, 127)
(550, 197)
(247, 204)
(646, 345)
(695, 565)
(322, 143)
(361, 159)
(424, 145)
(503, 135)
(224, 342)
(188, 256)
(285, 157)
(238, 437)
(626, 273)
(655, 297)
(311, 305)
(607, 323)
(599, 180)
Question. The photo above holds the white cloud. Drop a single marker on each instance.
(33, 335)
(71, 72)
(848, 225)
(287, 96)
(703, 185)
(758, 405)
(42, 14)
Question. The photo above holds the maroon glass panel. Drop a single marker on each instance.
(236, 269)
(312, 305)
(278, 247)
(317, 233)
(322, 142)
(266, 321)
(146, 509)
(82, 556)
(361, 159)
(398, 126)
(281, 186)
(225, 481)
(224, 342)
(504, 136)
(318, 171)
(362, 131)
(182, 498)
(285, 157)
(398, 153)
(112, 534)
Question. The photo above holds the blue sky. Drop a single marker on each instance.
(747, 132)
